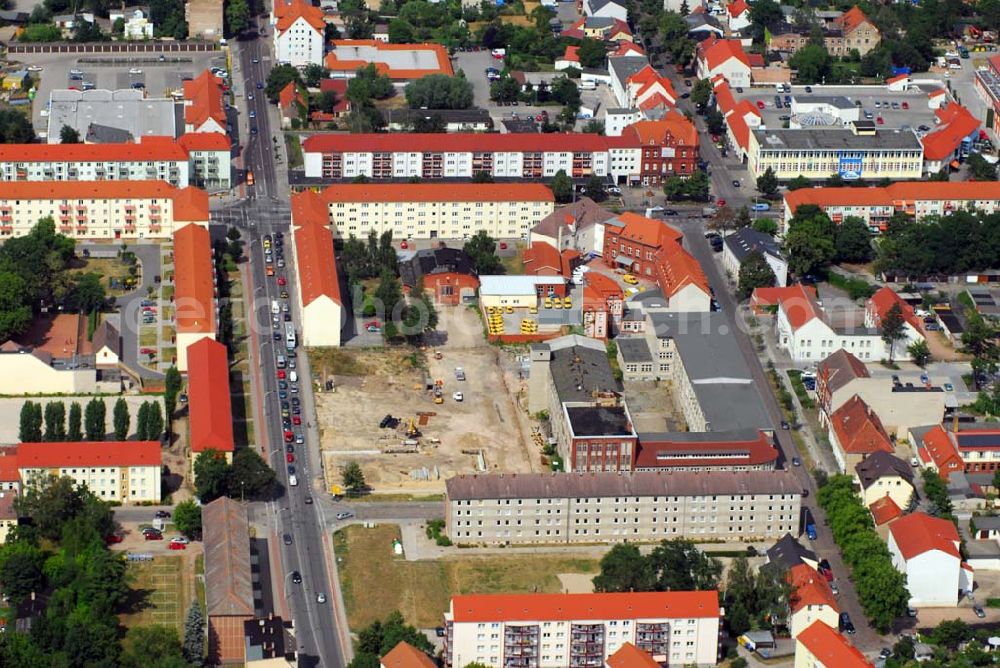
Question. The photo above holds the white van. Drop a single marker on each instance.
(293, 481)
(293, 377)
(275, 307)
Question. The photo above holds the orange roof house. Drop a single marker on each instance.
(205, 141)
(542, 259)
(919, 532)
(926, 550)
(397, 61)
(856, 432)
(209, 402)
(674, 129)
(204, 110)
(737, 8)
(955, 123)
(884, 510)
(810, 598)
(405, 655)
(715, 52)
(89, 454)
(630, 656)
(822, 647)
(881, 303)
(939, 451)
(289, 12)
(194, 293)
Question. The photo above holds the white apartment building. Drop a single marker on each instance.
(926, 550)
(317, 292)
(95, 210)
(298, 33)
(437, 211)
(804, 332)
(209, 159)
(853, 153)
(123, 471)
(576, 630)
(150, 158)
(612, 507)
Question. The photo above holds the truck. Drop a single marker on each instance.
(810, 525)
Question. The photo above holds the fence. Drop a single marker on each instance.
(112, 47)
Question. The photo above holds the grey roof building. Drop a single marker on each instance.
(788, 553)
(126, 110)
(880, 464)
(428, 261)
(578, 367)
(229, 595)
(836, 139)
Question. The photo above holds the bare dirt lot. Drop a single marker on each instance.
(372, 383)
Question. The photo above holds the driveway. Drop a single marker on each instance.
(128, 305)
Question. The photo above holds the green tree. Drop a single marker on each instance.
(121, 419)
(673, 188)
(30, 428)
(250, 477)
(740, 596)
(592, 53)
(980, 169)
(625, 569)
(809, 240)
(697, 187)
(55, 421)
(154, 424)
(74, 431)
(701, 92)
(674, 36)
(798, 183)
(69, 135)
(211, 476)
(505, 89)
(15, 128)
(680, 566)
(596, 188)
(381, 636)
(811, 63)
(482, 250)
(141, 422)
(715, 123)
(86, 294)
(193, 647)
(21, 570)
(156, 643)
(353, 479)
(562, 187)
(51, 502)
(919, 352)
(893, 328)
(15, 313)
(313, 74)
(279, 77)
(566, 93)
(172, 387)
(765, 225)
(767, 183)
(853, 241)
(439, 91)
(401, 32)
(755, 273)
(187, 518)
(368, 84)
(764, 15)
(237, 16)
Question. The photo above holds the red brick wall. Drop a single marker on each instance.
(437, 285)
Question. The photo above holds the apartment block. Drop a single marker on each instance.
(437, 211)
(194, 294)
(581, 630)
(123, 471)
(93, 210)
(611, 507)
(209, 159)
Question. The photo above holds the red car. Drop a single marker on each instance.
(153, 536)
(281, 280)
(906, 105)
(113, 538)
(288, 436)
(760, 104)
(503, 245)
(177, 546)
(296, 419)
(147, 351)
(403, 245)
(289, 458)
(721, 202)
(281, 374)
(880, 120)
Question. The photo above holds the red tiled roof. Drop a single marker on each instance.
(287, 95)
(203, 100)
(603, 285)
(899, 77)
(459, 142)
(646, 231)
(851, 19)
(8, 466)
(831, 649)
(797, 301)
(677, 268)
(565, 607)
(904, 191)
(717, 51)
(673, 124)
(542, 259)
(630, 656)
(724, 99)
(333, 62)
(918, 533)
(859, 430)
(190, 205)
(809, 588)
(740, 130)
(316, 265)
(572, 53)
(290, 12)
(839, 368)
(194, 281)
(205, 141)
(938, 447)
(210, 413)
(666, 453)
(884, 299)
(737, 8)
(437, 192)
(405, 655)
(627, 48)
(88, 454)
(956, 124)
(98, 190)
(145, 149)
(884, 510)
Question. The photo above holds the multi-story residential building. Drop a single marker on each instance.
(204, 107)
(581, 630)
(876, 206)
(820, 646)
(122, 471)
(209, 159)
(741, 243)
(299, 33)
(210, 413)
(149, 159)
(972, 449)
(724, 57)
(436, 210)
(810, 600)
(8, 513)
(194, 293)
(856, 432)
(851, 31)
(881, 475)
(335, 157)
(317, 292)
(399, 62)
(926, 550)
(108, 210)
(858, 152)
(611, 507)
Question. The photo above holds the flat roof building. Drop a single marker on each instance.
(127, 110)
(399, 62)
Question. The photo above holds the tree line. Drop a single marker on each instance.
(940, 245)
(881, 588)
(62, 554)
(51, 423)
(813, 241)
(248, 477)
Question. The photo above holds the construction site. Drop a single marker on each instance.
(414, 417)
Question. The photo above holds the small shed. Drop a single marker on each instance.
(17, 80)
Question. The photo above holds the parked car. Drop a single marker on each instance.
(286, 539)
(152, 536)
(344, 515)
(176, 546)
(296, 577)
(180, 539)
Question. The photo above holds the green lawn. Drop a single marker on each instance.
(162, 592)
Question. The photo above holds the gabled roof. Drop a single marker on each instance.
(884, 510)
(938, 448)
(851, 19)
(737, 8)
(797, 301)
(290, 12)
(809, 588)
(205, 141)
(314, 248)
(543, 259)
(831, 649)
(209, 403)
(902, 192)
(788, 553)
(106, 335)
(8, 465)
(673, 124)
(228, 574)
(557, 607)
(203, 100)
(859, 430)
(918, 533)
(677, 268)
(88, 454)
(740, 129)
(646, 231)
(581, 214)
(880, 465)
(630, 656)
(839, 368)
(627, 48)
(190, 205)
(146, 149)
(715, 52)
(194, 281)
(572, 54)
(405, 655)
(745, 447)
(884, 299)
(956, 123)
(288, 95)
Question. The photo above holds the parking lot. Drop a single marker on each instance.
(454, 434)
(117, 71)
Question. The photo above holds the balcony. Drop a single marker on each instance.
(6, 229)
(81, 229)
(154, 227)
(65, 229)
(154, 208)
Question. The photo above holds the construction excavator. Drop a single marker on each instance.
(411, 429)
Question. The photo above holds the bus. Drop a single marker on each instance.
(249, 178)
(290, 336)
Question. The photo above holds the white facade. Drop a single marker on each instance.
(127, 484)
(778, 265)
(815, 340)
(24, 373)
(609, 9)
(933, 578)
(736, 72)
(299, 45)
(322, 320)
(616, 120)
(173, 171)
